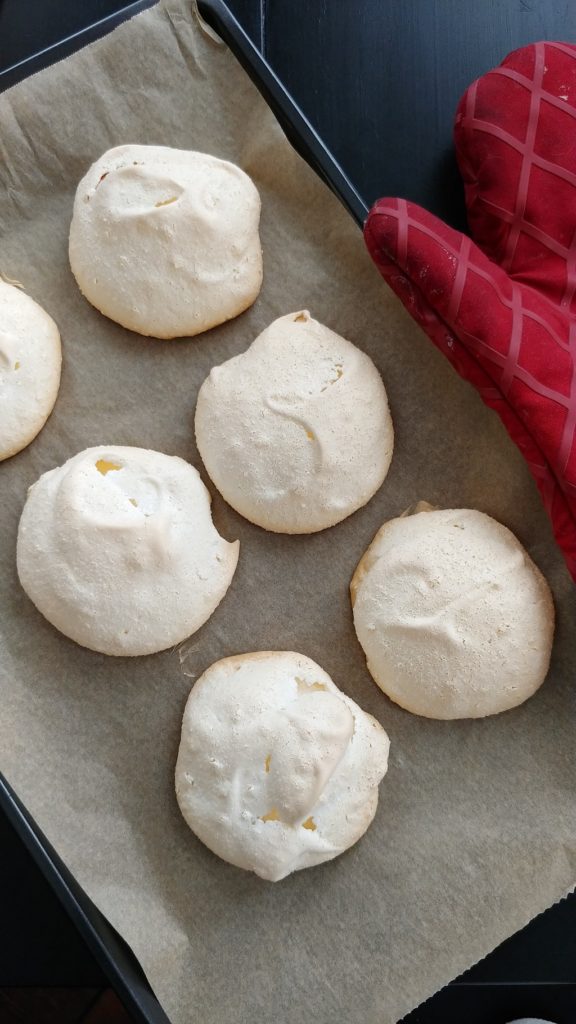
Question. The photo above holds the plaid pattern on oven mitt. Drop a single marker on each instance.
(502, 307)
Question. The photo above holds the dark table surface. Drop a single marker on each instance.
(380, 80)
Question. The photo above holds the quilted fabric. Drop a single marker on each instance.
(502, 307)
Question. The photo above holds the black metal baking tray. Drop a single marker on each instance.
(534, 973)
(77, 22)
(294, 122)
(59, 911)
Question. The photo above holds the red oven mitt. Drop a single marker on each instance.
(502, 308)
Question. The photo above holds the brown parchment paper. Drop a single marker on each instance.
(476, 824)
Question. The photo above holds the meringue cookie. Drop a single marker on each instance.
(455, 619)
(118, 551)
(530, 1020)
(277, 769)
(30, 362)
(295, 432)
(165, 241)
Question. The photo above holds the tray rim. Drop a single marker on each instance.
(53, 54)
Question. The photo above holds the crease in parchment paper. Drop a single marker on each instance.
(475, 830)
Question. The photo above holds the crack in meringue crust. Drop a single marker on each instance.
(117, 549)
(277, 770)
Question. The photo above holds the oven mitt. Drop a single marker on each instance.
(502, 305)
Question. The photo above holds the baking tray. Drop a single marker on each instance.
(50, 54)
(473, 999)
(113, 958)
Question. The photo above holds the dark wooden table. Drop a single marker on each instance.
(380, 80)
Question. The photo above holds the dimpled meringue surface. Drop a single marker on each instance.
(30, 362)
(295, 432)
(277, 769)
(455, 619)
(165, 241)
(117, 549)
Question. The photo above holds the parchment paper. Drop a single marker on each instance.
(475, 829)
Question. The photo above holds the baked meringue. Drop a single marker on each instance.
(277, 769)
(455, 619)
(30, 362)
(295, 432)
(165, 241)
(117, 549)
